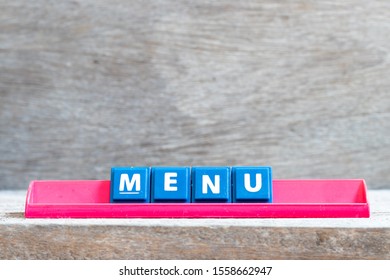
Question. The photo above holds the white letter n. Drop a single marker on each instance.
(206, 182)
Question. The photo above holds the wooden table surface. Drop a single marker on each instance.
(22, 238)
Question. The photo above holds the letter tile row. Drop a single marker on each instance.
(184, 184)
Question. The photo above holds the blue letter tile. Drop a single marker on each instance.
(211, 184)
(130, 184)
(252, 184)
(171, 184)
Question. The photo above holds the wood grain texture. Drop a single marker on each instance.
(22, 238)
(302, 86)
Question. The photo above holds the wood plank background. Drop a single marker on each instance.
(300, 85)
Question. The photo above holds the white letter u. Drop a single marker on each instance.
(247, 183)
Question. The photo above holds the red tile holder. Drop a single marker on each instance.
(291, 199)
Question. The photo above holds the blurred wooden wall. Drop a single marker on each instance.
(303, 86)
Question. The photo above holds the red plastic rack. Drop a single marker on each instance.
(291, 199)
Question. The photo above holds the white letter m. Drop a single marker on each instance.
(135, 180)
